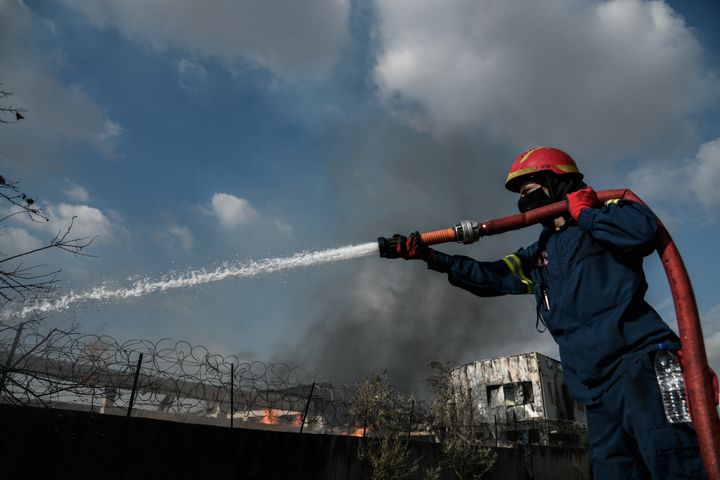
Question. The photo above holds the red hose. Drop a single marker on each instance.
(438, 236)
(696, 372)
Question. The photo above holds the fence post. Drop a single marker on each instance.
(307, 406)
(10, 357)
(232, 392)
(412, 412)
(134, 388)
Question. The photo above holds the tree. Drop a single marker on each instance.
(19, 282)
(454, 425)
(385, 417)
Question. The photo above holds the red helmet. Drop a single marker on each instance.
(539, 159)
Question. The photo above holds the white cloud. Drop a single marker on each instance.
(181, 236)
(106, 141)
(707, 174)
(233, 211)
(190, 75)
(282, 226)
(14, 240)
(288, 36)
(711, 327)
(608, 78)
(58, 116)
(76, 192)
(695, 179)
(89, 221)
(54, 219)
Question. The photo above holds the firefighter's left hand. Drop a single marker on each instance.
(581, 199)
(415, 249)
(713, 379)
(409, 248)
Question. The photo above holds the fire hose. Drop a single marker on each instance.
(696, 373)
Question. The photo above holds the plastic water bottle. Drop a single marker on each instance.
(672, 386)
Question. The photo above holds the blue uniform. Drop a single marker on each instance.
(589, 285)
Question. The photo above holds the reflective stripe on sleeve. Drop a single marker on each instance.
(515, 265)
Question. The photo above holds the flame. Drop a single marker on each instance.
(270, 418)
(358, 432)
(274, 416)
(297, 420)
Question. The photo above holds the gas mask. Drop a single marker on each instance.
(535, 199)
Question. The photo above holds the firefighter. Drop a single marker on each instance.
(586, 274)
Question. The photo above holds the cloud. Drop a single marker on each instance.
(106, 141)
(291, 37)
(694, 179)
(711, 327)
(191, 76)
(707, 174)
(88, 222)
(58, 116)
(233, 211)
(76, 192)
(610, 78)
(180, 236)
(14, 240)
(282, 226)
(20, 234)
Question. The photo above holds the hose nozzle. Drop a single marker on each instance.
(466, 231)
(386, 245)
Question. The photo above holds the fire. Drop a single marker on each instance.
(270, 417)
(358, 432)
(297, 420)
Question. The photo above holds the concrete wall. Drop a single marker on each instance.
(544, 393)
(48, 443)
(486, 378)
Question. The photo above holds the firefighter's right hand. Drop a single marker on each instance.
(581, 199)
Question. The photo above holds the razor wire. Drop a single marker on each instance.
(176, 380)
(179, 381)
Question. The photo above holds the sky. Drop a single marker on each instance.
(186, 134)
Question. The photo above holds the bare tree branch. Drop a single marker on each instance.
(74, 246)
(19, 283)
(16, 112)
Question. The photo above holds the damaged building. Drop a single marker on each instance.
(522, 399)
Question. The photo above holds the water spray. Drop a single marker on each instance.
(193, 278)
(697, 372)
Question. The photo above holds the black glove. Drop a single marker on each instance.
(409, 248)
